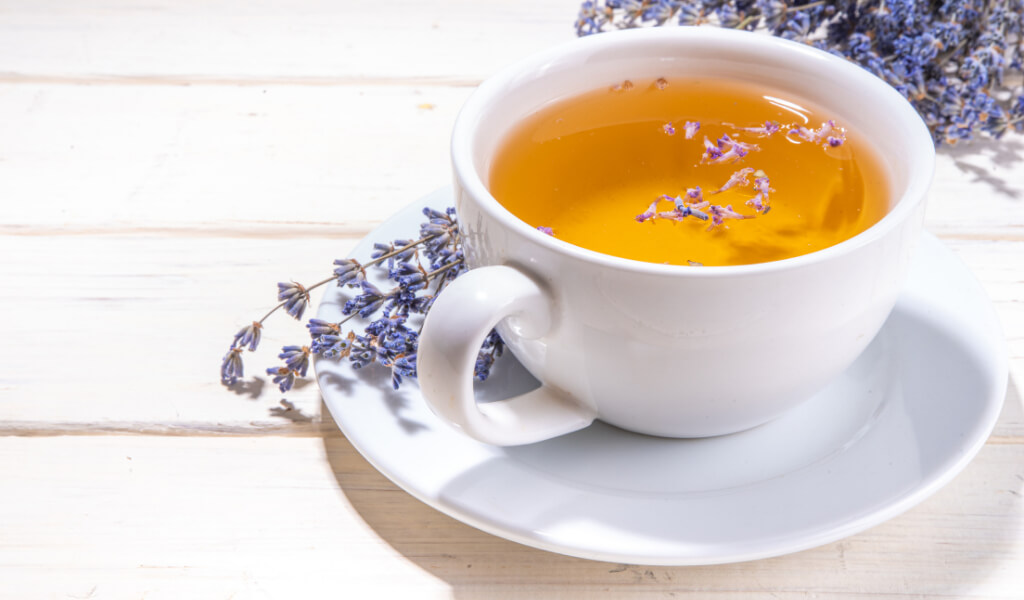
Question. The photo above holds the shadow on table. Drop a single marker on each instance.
(981, 510)
(1007, 154)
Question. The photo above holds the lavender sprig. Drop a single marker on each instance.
(959, 62)
(420, 270)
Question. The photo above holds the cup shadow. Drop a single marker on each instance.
(984, 504)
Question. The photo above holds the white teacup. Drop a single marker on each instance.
(658, 349)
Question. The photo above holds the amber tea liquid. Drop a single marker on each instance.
(588, 165)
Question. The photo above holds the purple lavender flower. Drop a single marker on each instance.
(366, 303)
(690, 129)
(762, 186)
(248, 336)
(720, 213)
(590, 20)
(726, 150)
(387, 340)
(650, 213)
(691, 13)
(728, 15)
(741, 177)
(689, 204)
(492, 348)
(332, 345)
(283, 377)
(404, 366)
(296, 358)
(546, 230)
(828, 135)
(348, 271)
(712, 152)
(410, 277)
(318, 327)
(957, 61)
(769, 128)
(668, 128)
(231, 369)
(295, 298)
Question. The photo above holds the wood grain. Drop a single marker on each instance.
(164, 163)
(160, 517)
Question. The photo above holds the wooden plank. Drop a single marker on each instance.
(208, 159)
(159, 517)
(126, 332)
(307, 41)
(977, 190)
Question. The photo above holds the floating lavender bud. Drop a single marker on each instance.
(546, 230)
(712, 152)
(762, 186)
(769, 128)
(741, 177)
(720, 213)
(828, 135)
(650, 213)
(726, 150)
(690, 129)
(689, 204)
(668, 128)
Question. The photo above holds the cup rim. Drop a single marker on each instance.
(914, 193)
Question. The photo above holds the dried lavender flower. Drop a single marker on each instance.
(295, 298)
(248, 336)
(959, 62)
(420, 269)
(231, 368)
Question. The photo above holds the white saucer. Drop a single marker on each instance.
(894, 428)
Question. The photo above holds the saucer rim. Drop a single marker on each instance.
(958, 458)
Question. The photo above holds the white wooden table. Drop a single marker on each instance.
(164, 163)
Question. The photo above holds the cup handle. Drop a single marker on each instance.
(455, 328)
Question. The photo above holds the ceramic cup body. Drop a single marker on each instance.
(658, 349)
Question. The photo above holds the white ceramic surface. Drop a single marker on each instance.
(893, 428)
(661, 349)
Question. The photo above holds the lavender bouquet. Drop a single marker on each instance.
(959, 62)
(419, 269)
